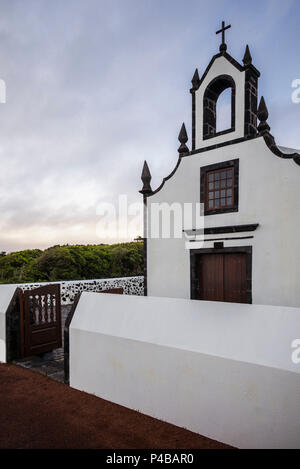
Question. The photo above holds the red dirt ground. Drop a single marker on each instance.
(37, 412)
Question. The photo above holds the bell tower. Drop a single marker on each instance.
(223, 73)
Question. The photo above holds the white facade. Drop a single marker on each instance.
(268, 195)
(222, 370)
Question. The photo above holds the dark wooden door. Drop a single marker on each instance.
(223, 277)
(211, 286)
(41, 329)
(235, 278)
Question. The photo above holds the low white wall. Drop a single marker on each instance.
(222, 370)
(6, 295)
(70, 288)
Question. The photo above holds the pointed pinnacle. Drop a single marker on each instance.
(263, 115)
(146, 178)
(183, 138)
(262, 112)
(146, 171)
(247, 57)
(196, 80)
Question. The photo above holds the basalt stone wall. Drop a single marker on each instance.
(69, 289)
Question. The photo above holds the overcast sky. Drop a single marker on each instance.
(95, 87)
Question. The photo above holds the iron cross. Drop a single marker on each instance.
(222, 30)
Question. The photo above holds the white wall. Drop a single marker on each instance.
(6, 295)
(269, 194)
(222, 370)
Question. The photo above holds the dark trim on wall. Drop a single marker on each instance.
(168, 177)
(223, 144)
(271, 144)
(251, 97)
(219, 134)
(67, 339)
(225, 229)
(145, 246)
(222, 239)
(214, 167)
(201, 150)
(193, 119)
(194, 267)
(13, 328)
(227, 56)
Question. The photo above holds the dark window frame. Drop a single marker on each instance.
(218, 180)
(234, 164)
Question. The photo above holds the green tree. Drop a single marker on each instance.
(79, 262)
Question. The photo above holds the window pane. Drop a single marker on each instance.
(219, 189)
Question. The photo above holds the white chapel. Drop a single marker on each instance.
(247, 249)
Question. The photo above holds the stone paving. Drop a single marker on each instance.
(50, 364)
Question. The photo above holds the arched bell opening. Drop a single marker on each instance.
(212, 119)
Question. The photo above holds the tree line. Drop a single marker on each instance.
(77, 262)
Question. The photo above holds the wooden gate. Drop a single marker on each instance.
(40, 312)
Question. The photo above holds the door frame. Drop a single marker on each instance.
(194, 267)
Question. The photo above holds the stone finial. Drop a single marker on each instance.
(146, 179)
(196, 80)
(247, 60)
(183, 138)
(263, 115)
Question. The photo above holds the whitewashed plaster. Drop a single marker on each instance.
(269, 194)
(222, 370)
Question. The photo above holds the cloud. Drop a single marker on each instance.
(94, 88)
